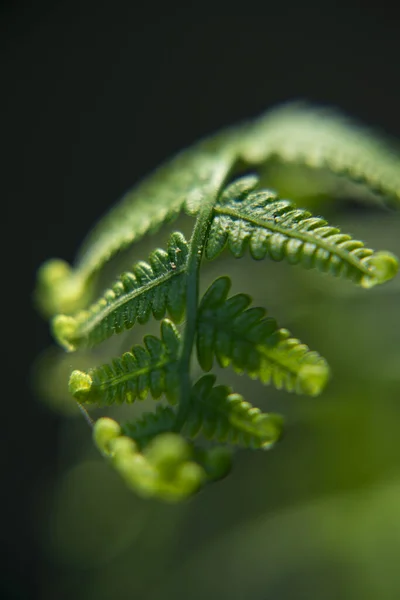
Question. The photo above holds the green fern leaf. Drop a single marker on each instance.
(149, 425)
(186, 179)
(244, 338)
(315, 137)
(245, 216)
(149, 369)
(322, 138)
(152, 288)
(216, 461)
(220, 415)
(183, 182)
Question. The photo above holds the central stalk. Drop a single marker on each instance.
(197, 242)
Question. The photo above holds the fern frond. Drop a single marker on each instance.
(149, 369)
(216, 461)
(149, 425)
(258, 219)
(315, 137)
(218, 414)
(251, 342)
(164, 470)
(187, 179)
(153, 288)
(323, 138)
(183, 182)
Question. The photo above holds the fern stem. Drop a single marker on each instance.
(86, 415)
(197, 243)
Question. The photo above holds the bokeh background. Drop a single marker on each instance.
(95, 95)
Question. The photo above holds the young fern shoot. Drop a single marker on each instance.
(172, 452)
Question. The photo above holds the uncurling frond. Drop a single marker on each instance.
(153, 288)
(252, 343)
(164, 470)
(316, 137)
(149, 369)
(170, 453)
(256, 218)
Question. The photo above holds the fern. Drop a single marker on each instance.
(243, 337)
(269, 226)
(223, 416)
(163, 470)
(153, 288)
(322, 138)
(152, 369)
(166, 454)
(150, 425)
(185, 181)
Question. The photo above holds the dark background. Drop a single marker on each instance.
(95, 95)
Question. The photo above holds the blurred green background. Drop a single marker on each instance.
(95, 96)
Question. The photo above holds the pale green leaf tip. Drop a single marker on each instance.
(122, 447)
(189, 478)
(218, 462)
(59, 289)
(64, 328)
(313, 378)
(383, 267)
(163, 471)
(79, 384)
(275, 423)
(167, 450)
(105, 430)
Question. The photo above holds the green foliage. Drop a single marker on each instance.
(163, 470)
(269, 226)
(152, 369)
(150, 424)
(322, 138)
(254, 344)
(153, 288)
(155, 453)
(220, 415)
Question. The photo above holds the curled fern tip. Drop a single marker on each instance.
(79, 384)
(383, 267)
(64, 330)
(59, 289)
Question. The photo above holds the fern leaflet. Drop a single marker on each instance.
(150, 369)
(252, 343)
(323, 138)
(154, 288)
(220, 415)
(149, 425)
(245, 217)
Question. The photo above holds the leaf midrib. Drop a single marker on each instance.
(250, 427)
(304, 236)
(118, 379)
(90, 324)
(228, 327)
